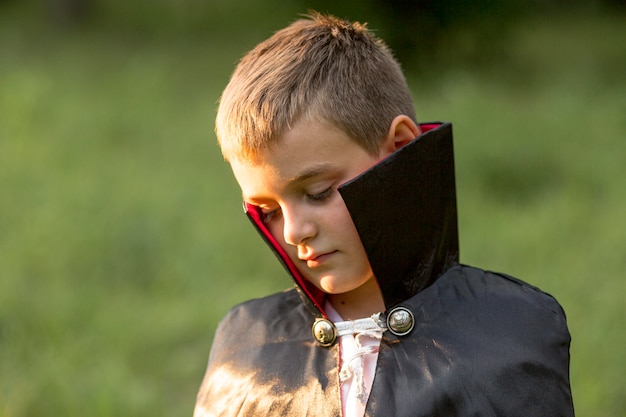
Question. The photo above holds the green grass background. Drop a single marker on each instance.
(123, 242)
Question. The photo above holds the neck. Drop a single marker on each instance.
(359, 303)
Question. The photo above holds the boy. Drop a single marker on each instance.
(358, 202)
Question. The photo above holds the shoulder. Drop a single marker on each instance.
(500, 303)
(268, 306)
(259, 310)
(261, 356)
(495, 335)
(489, 286)
(257, 322)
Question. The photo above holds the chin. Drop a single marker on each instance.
(329, 285)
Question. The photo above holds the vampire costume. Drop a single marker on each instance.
(456, 340)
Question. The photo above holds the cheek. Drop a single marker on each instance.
(340, 222)
(343, 229)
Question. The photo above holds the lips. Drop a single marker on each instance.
(316, 260)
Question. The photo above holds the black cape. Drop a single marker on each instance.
(483, 343)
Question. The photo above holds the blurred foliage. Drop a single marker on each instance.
(421, 32)
(122, 241)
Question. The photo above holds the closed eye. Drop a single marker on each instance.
(321, 196)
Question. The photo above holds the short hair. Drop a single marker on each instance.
(320, 67)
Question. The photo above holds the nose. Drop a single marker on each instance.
(299, 225)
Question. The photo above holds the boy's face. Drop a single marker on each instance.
(295, 184)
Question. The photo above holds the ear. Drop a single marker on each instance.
(402, 130)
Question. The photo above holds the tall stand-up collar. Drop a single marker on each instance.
(404, 209)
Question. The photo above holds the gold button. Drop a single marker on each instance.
(324, 332)
(400, 321)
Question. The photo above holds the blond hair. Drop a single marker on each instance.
(318, 67)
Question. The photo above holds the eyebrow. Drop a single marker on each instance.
(310, 173)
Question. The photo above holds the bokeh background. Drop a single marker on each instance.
(122, 239)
